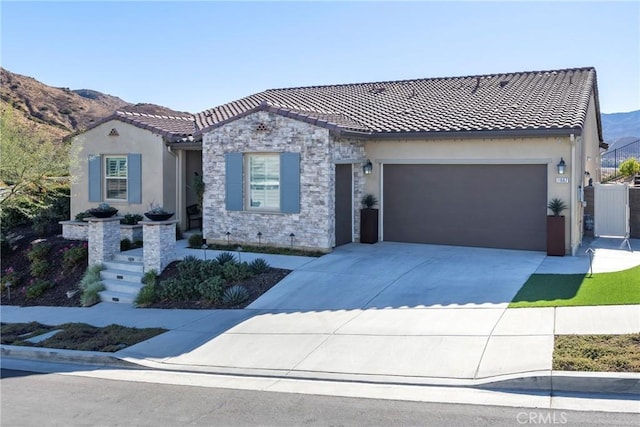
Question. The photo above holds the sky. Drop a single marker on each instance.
(190, 56)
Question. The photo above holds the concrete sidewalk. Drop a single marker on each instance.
(470, 345)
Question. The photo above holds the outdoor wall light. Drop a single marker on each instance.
(561, 166)
(367, 168)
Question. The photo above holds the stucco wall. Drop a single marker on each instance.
(313, 225)
(158, 166)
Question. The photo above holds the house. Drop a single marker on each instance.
(128, 160)
(469, 161)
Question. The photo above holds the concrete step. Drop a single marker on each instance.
(121, 286)
(121, 275)
(127, 257)
(117, 297)
(124, 265)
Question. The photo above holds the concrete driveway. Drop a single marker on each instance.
(400, 312)
(395, 275)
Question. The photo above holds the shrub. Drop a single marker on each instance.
(179, 289)
(90, 295)
(82, 215)
(234, 272)
(259, 266)
(131, 219)
(39, 268)
(37, 256)
(90, 285)
(74, 255)
(195, 241)
(630, 167)
(38, 251)
(235, 295)
(92, 275)
(125, 244)
(211, 289)
(190, 266)
(210, 268)
(148, 294)
(38, 287)
(226, 257)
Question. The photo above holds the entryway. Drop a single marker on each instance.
(611, 210)
(344, 204)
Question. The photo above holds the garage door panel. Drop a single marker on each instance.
(501, 206)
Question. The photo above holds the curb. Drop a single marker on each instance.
(624, 385)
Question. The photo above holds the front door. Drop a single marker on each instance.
(344, 205)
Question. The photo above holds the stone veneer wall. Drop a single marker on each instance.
(159, 248)
(104, 239)
(75, 230)
(313, 226)
(79, 230)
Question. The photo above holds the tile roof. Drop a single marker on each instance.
(174, 128)
(170, 126)
(534, 101)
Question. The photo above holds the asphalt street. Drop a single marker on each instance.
(34, 399)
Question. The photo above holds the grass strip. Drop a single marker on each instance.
(563, 290)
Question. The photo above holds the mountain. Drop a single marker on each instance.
(58, 112)
(620, 128)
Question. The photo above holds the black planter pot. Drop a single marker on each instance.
(103, 214)
(555, 236)
(158, 216)
(369, 225)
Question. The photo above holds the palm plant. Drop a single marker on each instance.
(556, 206)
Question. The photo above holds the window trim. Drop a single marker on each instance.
(247, 182)
(106, 178)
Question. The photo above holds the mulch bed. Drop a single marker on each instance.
(62, 281)
(68, 281)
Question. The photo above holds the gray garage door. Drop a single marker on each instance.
(494, 206)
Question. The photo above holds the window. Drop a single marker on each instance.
(116, 178)
(263, 181)
(267, 181)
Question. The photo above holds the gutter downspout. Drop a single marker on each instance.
(574, 196)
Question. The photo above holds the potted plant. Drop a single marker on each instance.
(555, 228)
(103, 211)
(158, 213)
(368, 219)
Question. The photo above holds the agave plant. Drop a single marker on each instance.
(235, 295)
(556, 206)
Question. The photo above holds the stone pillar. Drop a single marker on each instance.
(104, 238)
(159, 248)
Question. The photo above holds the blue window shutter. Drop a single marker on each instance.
(95, 178)
(233, 181)
(290, 182)
(134, 178)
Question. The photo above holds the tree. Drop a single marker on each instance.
(33, 169)
(630, 167)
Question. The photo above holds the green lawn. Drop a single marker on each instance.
(557, 290)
